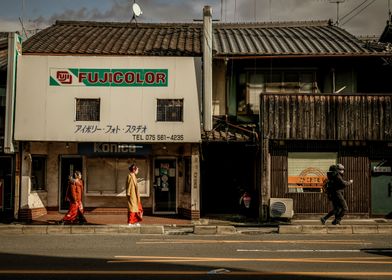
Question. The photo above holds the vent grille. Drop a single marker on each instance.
(278, 209)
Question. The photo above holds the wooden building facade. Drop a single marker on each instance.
(355, 127)
(316, 95)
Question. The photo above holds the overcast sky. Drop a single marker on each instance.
(360, 17)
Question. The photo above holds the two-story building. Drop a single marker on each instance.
(97, 97)
(288, 100)
(318, 96)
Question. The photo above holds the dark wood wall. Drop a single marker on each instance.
(357, 195)
(326, 117)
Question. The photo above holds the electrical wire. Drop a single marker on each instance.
(359, 12)
(353, 10)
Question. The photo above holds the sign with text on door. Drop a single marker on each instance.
(163, 172)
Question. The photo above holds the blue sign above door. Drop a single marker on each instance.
(113, 149)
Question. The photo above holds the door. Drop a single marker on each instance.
(165, 186)
(381, 187)
(6, 188)
(68, 165)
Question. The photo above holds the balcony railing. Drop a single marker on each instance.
(358, 117)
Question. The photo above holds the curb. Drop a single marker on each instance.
(115, 229)
(195, 229)
(330, 229)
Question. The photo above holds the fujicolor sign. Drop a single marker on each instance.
(108, 77)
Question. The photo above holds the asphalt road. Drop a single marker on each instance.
(267, 256)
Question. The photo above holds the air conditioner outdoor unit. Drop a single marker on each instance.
(281, 208)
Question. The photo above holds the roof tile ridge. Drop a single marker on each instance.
(272, 24)
(127, 24)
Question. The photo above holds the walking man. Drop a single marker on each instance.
(336, 194)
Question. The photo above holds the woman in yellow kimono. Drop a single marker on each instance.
(135, 209)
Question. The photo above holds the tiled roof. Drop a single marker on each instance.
(3, 51)
(298, 38)
(185, 39)
(103, 38)
(224, 131)
(223, 136)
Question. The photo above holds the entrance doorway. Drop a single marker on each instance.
(6, 188)
(68, 165)
(381, 188)
(165, 186)
(229, 170)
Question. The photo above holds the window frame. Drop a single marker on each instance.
(158, 115)
(253, 82)
(309, 175)
(119, 175)
(98, 113)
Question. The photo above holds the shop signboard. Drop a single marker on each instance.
(108, 99)
(108, 77)
(114, 149)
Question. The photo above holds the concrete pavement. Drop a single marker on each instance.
(172, 225)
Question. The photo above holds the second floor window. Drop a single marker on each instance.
(88, 109)
(252, 84)
(170, 110)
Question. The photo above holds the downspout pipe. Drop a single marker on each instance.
(207, 68)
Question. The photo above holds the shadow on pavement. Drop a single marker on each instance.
(18, 266)
(379, 251)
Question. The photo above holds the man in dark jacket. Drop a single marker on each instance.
(335, 194)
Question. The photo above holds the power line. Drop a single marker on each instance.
(353, 10)
(359, 12)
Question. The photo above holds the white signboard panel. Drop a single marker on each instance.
(128, 90)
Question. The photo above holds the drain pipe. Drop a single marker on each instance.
(207, 68)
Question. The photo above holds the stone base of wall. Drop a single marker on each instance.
(26, 215)
(189, 214)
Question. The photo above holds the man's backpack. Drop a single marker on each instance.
(326, 186)
(328, 183)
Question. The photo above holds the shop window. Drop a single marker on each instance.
(88, 109)
(107, 176)
(170, 110)
(38, 173)
(308, 171)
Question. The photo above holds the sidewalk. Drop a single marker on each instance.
(173, 225)
(348, 226)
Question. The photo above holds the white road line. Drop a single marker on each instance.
(166, 259)
(319, 250)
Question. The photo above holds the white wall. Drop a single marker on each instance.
(47, 113)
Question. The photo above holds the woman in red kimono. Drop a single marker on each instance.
(135, 209)
(74, 196)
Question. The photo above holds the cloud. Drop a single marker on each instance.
(9, 25)
(366, 23)
(119, 11)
